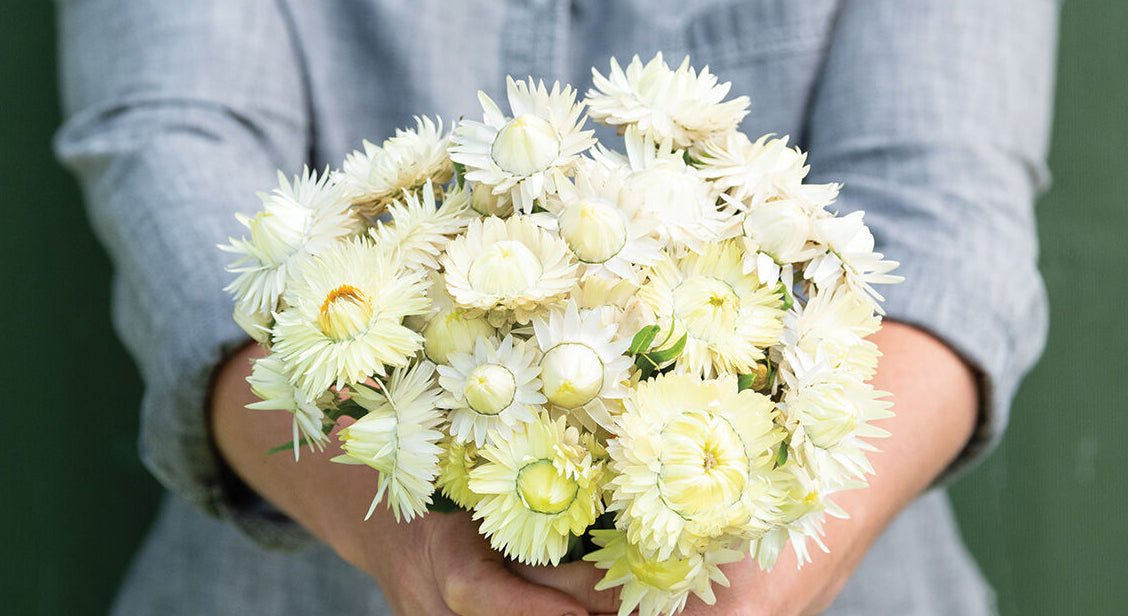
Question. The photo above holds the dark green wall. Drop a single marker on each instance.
(1048, 513)
(1045, 515)
(75, 499)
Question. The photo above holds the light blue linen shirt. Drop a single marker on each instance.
(934, 114)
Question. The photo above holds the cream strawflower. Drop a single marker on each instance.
(752, 173)
(830, 412)
(343, 321)
(614, 299)
(681, 106)
(448, 328)
(662, 188)
(728, 316)
(297, 219)
(833, 328)
(418, 231)
(538, 487)
(257, 325)
(407, 162)
(582, 365)
(455, 463)
(492, 391)
(398, 437)
(657, 586)
(604, 233)
(484, 202)
(269, 380)
(521, 155)
(803, 505)
(509, 267)
(850, 259)
(692, 462)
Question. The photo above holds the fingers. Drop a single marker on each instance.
(487, 588)
(576, 579)
(473, 581)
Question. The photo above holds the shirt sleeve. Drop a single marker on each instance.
(935, 117)
(176, 117)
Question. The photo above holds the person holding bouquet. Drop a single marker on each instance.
(932, 115)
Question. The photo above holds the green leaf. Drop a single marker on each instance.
(781, 455)
(643, 339)
(441, 504)
(745, 381)
(667, 354)
(349, 408)
(788, 300)
(288, 446)
(459, 174)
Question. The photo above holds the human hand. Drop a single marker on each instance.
(435, 565)
(935, 398)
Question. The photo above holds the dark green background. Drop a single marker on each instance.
(1045, 514)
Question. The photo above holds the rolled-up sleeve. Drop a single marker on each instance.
(935, 116)
(176, 115)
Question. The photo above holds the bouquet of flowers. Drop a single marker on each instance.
(653, 359)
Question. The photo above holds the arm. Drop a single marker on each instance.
(934, 116)
(176, 118)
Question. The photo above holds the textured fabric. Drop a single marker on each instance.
(933, 114)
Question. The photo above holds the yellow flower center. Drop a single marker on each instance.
(345, 313)
(450, 331)
(594, 231)
(489, 389)
(526, 145)
(571, 374)
(707, 307)
(703, 463)
(660, 574)
(507, 267)
(544, 489)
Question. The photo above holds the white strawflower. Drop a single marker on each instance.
(270, 381)
(752, 173)
(682, 106)
(522, 155)
(657, 586)
(728, 316)
(398, 437)
(692, 462)
(850, 259)
(538, 487)
(418, 231)
(831, 411)
(604, 232)
(414, 161)
(343, 321)
(777, 235)
(297, 219)
(511, 266)
(662, 188)
(490, 392)
(582, 366)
